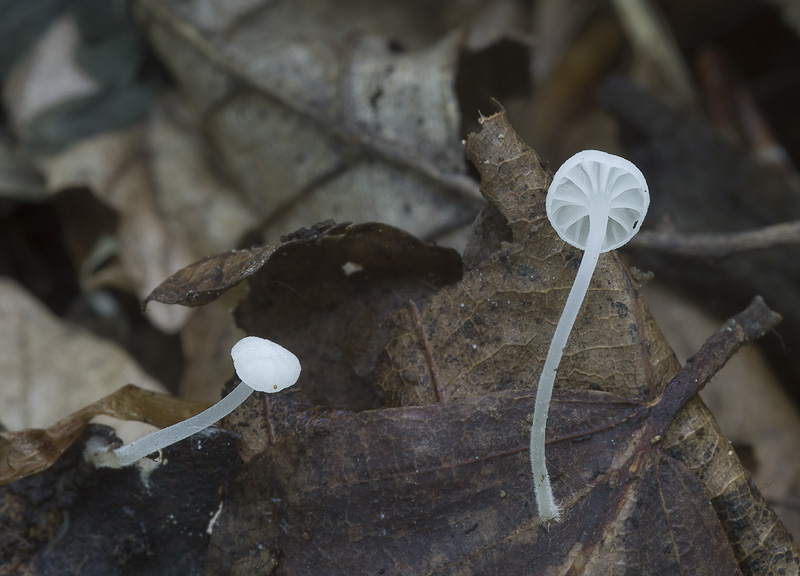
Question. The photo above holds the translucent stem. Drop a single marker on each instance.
(130, 453)
(548, 509)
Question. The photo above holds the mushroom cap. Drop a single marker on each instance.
(597, 184)
(264, 365)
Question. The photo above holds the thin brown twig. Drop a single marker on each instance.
(718, 245)
(747, 326)
(437, 387)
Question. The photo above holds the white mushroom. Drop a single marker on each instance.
(596, 202)
(260, 364)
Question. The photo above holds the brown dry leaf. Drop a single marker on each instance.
(345, 111)
(50, 368)
(492, 331)
(445, 487)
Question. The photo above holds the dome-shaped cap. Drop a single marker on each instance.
(264, 365)
(594, 181)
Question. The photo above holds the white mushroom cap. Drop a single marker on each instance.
(594, 184)
(264, 365)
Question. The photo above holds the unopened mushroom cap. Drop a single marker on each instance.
(594, 181)
(264, 365)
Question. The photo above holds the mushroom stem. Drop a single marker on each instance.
(548, 509)
(130, 453)
(154, 442)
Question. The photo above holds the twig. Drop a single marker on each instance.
(743, 328)
(718, 245)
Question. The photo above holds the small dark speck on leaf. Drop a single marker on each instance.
(620, 308)
(396, 47)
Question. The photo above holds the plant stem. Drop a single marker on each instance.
(548, 509)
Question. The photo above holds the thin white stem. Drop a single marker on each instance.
(548, 509)
(130, 453)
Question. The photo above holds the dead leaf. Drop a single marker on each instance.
(82, 101)
(450, 476)
(346, 112)
(707, 186)
(47, 75)
(172, 207)
(51, 368)
(84, 75)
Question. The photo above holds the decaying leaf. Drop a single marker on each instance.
(74, 519)
(710, 184)
(77, 71)
(304, 114)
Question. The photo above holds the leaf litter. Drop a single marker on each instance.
(700, 445)
(438, 481)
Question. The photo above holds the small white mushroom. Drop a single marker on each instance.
(260, 364)
(596, 202)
